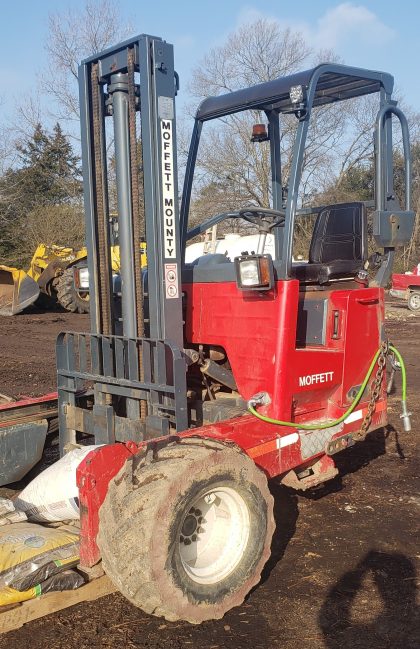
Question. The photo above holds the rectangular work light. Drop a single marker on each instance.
(81, 278)
(254, 272)
(296, 94)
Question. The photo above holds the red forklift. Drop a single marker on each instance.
(222, 374)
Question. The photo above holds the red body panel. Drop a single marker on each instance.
(258, 333)
(259, 336)
(93, 476)
(29, 401)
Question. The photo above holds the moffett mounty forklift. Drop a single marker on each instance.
(227, 372)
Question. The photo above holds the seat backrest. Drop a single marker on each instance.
(340, 234)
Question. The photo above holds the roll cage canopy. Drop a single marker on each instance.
(330, 82)
(325, 84)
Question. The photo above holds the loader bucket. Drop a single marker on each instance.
(17, 290)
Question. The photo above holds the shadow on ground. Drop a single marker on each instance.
(351, 617)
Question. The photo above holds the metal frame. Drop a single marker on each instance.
(109, 367)
(327, 83)
(153, 59)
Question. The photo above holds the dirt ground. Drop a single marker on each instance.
(27, 356)
(344, 571)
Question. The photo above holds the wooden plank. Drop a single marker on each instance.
(33, 609)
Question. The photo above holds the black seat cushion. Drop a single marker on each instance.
(338, 247)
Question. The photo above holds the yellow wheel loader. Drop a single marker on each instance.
(50, 273)
(45, 276)
(17, 290)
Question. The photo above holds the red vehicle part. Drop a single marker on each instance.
(307, 383)
(405, 285)
(29, 409)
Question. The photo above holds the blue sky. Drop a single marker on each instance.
(375, 34)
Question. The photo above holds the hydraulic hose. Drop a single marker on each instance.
(405, 415)
(403, 372)
(355, 402)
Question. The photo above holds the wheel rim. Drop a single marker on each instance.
(83, 295)
(415, 301)
(213, 535)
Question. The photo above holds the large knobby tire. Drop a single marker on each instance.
(67, 294)
(184, 533)
(413, 301)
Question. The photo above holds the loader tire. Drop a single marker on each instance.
(67, 294)
(184, 532)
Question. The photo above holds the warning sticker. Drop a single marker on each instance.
(171, 280)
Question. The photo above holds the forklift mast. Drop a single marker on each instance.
(145, 364)
(108, 87)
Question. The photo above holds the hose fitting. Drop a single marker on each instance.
(259, 399)
(405, 416)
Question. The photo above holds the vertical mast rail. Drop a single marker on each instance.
(157, 106)
(100, 214)
(135, 210)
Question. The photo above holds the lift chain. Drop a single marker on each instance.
(101, 208)
(135, 193)
(136, 210)
(376, 388)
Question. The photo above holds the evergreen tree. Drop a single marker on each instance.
(47, 176)
(50, 173)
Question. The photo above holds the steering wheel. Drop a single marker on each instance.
(261, 217)
(265, 219)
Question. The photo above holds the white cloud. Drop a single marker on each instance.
(349, 22)
(343, 25)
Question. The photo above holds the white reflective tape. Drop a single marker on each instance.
(354, 416)
(287, 440)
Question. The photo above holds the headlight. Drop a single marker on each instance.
(254, 272)
(248, 272)
(81, 278)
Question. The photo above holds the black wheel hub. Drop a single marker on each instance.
(189, 526)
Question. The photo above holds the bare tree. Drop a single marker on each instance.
(232, 171)
(61, 225)
(257, 52)
(72, 36)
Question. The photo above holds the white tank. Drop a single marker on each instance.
(232, 245)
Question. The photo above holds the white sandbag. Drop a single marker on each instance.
(53, 495)
(6, 506)
(9, 514)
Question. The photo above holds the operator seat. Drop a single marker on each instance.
(338, 247)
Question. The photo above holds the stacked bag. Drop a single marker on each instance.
(34, 558)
